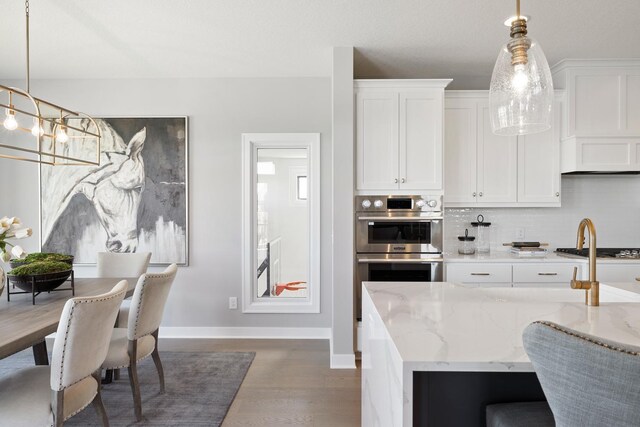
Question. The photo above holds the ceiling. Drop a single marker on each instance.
(283, 38)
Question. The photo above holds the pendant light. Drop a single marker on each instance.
(62, 136)
(521, 92)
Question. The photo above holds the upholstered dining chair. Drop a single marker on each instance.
(140, 338)
(112, 264)
(588, 381)
(49, 395)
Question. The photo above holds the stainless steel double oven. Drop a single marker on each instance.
(398, 239)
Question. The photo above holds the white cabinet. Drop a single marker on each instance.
(623, 271)
(469, 273)
(497, 162)
(399, 135)
(486, 170)
(603, 105)
(544, 274)
(517, 274)
(539, 163)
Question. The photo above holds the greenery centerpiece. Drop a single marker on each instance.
(46, 271)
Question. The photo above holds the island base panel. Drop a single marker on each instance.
(445, 399)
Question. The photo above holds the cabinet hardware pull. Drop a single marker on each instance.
(474, 194)
(557, 194)
(395, 180)
(547, 274)
(481, 274)
(403, 180)
(638, 279)
(481, 194)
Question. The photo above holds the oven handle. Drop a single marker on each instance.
(399, 218)
(400, 261)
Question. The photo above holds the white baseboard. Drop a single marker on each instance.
(205, 332)
(343, 361)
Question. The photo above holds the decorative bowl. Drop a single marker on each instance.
(43, 282)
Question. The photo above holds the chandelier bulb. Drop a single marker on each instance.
(37, 130)
(10, 121)
(61, 135)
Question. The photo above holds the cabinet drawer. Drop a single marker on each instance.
(543, 273)
(479, 273)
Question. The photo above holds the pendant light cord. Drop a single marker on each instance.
(26, 11)
(517, 9)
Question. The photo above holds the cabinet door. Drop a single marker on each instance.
(497, 162)
(377, 140)
(539, 164)
(460, 118)
(420, 133)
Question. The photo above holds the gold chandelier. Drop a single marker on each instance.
(39, 131)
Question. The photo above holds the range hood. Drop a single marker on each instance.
(600, 131)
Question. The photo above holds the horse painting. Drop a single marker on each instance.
(111, 198)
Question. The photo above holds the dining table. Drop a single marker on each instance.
(24, 324)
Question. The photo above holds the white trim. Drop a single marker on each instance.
(603, 62)
(402, 83)
(250, 144)
(341, 360)
(211, 332)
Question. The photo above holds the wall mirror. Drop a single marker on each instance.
(281, 249)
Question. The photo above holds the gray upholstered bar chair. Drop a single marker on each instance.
(140, 338)
(588, 382)
(49, 395)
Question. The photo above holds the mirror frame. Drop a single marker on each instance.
(251, 142)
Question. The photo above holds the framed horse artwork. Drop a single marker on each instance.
(136, 200)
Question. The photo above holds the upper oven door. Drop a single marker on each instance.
(398, 234)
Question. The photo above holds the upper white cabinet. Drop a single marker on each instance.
(602, 131)
(399, 135)
(485, 170)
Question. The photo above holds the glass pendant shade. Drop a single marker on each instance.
(520, 96)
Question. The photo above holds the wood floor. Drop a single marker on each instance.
(289, 384)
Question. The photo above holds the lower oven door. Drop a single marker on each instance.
(395, 268)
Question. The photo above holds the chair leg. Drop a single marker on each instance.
(116, 374)
(57, 405)
(133, 380)
(97, 401)
(158, 363)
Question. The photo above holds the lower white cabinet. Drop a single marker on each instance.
(521, 275)
(623, 271)
(479, 273)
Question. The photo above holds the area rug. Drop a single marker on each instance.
(200, 389)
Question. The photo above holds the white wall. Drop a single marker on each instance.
(219, 111)
(612, 202)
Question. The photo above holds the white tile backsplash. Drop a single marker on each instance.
(611, 201)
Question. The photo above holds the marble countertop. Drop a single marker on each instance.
(441, 326)
(506, 256)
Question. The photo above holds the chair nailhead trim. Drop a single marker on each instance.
(591, 340)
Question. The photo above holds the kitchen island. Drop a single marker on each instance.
(435, 353)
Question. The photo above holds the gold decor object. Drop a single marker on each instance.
(42, 132)
(521, 90)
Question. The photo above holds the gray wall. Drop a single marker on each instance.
(219, 111)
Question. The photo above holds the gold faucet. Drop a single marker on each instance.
(591, 286)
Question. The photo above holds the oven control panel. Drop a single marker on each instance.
(420, 203)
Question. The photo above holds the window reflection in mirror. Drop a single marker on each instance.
(282, 227)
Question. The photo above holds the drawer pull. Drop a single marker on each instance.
(547, 274)
(481, 274)
(638, 279)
